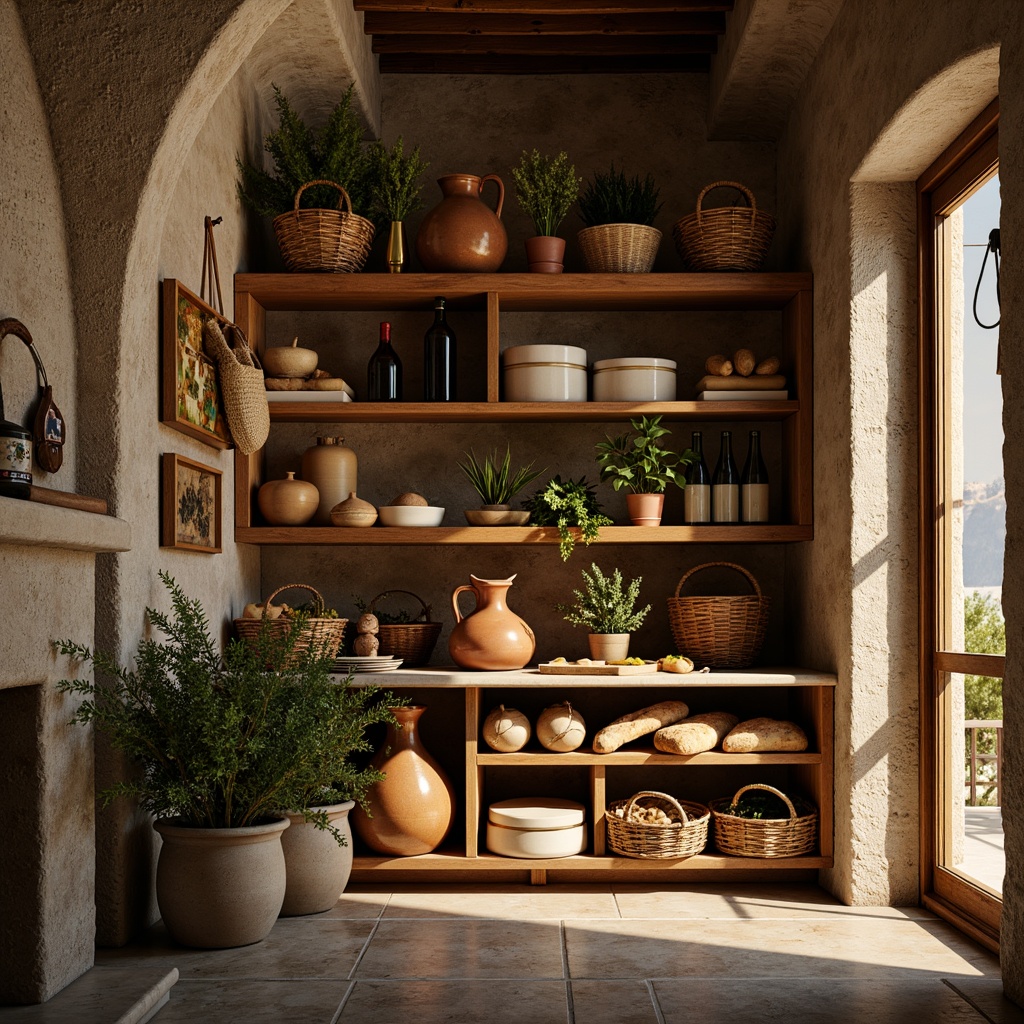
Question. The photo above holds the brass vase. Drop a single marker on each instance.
(396, 248)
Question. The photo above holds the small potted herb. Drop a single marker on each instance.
(395, 192)
(546, 188)
(618, 216)
(638, 461)
(608, 611)
(497, 485)
(567, 505)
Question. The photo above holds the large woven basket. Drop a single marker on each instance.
(619, 248)
(318, 239)
(645, 840)
(727, 237)
(413, 642)
(322, 634)
(720, 632)
(765, 837)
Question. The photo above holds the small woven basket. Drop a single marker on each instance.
(720, 632)
(648, 841)
(765, 837)
(727, 237)
(413, 642)
(322, 634)
(318, 239)
(619, 248)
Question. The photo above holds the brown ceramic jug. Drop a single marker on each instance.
(493, 636)
(461, 233)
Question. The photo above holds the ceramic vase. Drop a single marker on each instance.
(332, 469)
(413, 807)
(462, 233)
(288, 502)
(396, 248)
(492, 636)
(645, 509)
(316, 867)
(545, 254)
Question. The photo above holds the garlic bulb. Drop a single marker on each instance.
(506, 730)
(561, 728)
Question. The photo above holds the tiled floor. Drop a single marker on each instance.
(623, 954)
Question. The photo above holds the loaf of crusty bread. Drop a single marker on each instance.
(637, 724)
(696, 734)
(764, 734)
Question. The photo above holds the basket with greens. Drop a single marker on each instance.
(761, 821)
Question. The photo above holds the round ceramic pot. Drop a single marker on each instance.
(608, 646)
(317, 868)
(639, 379)
(536, 827)
(353, 511)
(288, 502)
(331, 468)
(545, 254)
(462, 233)
(645, 509)
(545, 373)
(220, 887)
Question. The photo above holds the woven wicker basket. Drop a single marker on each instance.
(765, 837)
(318, 239)
(322, 634)
(644, 840)
(241, 386)
(619, 248)
(720, 632)
(413, 642)
(727, 237)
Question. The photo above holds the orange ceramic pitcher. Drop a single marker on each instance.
(462, 234)
(493, 636)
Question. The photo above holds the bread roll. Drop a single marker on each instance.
(719, 366)
(639, 723)
(764, 734)
(744, 362)
(696, 734)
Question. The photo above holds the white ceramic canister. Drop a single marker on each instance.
(536, 827)
(331, 468)
(545, 373)
(635, 379)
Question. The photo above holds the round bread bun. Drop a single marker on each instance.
(409, 498)
(283, 383)
(324, 384)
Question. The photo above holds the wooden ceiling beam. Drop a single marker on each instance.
(539, 8)
(500, 64)
(591, 46)
(383, 23)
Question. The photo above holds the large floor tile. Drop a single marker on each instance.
(463, 948)
(261, 1002)
(462, 1002)
(508, 902)
(842, 947)
(808, 1001)
(359, 903)
(613, 1002)
(986, 994)
(742, 901)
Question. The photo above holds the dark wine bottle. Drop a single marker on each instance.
(725, 485)
(754, 484)
(439, 358)
(697, 493)
(384, 373)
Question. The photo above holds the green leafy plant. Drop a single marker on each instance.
(984, 633)
(603, 606)
(335, 152)
(760, 805)
(394, 180)
(546, 188)
(496, 483)
(224, 742)
(638, 461)
(565, 505)
(612, 198)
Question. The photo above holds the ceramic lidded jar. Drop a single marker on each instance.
(462, 233)
(288, 502)
(353, 511)
(331, 468)
(491, 637)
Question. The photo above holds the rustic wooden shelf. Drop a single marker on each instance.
(652, 757)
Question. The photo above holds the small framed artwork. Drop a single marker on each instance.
(191, 400)
(191, 513)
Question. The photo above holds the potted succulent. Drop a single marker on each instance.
(546, 188)
(618, 214)
(567, 505)
(497, 485)
(608, 610)
(638, 461)
(225, 744)
(395, 193)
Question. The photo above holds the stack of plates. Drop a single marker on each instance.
(369, 663)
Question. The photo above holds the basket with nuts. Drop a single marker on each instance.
(656, 826)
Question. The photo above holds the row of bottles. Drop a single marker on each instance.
(384, 373)
(726, 496)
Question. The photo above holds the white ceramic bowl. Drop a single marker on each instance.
(410, 515)
(635, 379)
(538, 828)
(545, 373)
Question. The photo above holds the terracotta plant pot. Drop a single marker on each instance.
(220, 887)
(545, 254)
(608, 646)
(317, 868)
(645, 509)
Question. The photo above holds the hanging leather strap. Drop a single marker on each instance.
(211, 272)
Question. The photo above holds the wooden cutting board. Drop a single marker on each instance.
(568, 669)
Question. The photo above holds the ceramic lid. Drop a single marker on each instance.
(536, 813)
(636, 363)
(545, 354)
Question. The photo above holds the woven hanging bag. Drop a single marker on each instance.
(241, 386)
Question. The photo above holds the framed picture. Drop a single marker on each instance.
(191, 513)
(191, 395)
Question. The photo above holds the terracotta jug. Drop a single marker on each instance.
(461, 233)
(493, 636)
(414, 805)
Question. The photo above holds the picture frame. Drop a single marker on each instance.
(191, 507)
(191, 400)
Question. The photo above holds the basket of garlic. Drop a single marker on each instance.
(323, 630)
(656, 826)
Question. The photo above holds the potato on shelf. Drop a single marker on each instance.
(744, 362)
(718, 366)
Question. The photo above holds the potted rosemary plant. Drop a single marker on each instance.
(608, 611)
(395, 193)
(618, 216)
(568, 505)
(497, 485)
(546, 188)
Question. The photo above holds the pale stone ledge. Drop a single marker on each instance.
(33, 524)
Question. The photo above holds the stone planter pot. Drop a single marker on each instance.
(220, 887)
(608, 646)
(317, 868)
(645, 509)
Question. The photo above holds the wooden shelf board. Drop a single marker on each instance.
(621, 757)
(584, 862)
(397, 535)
